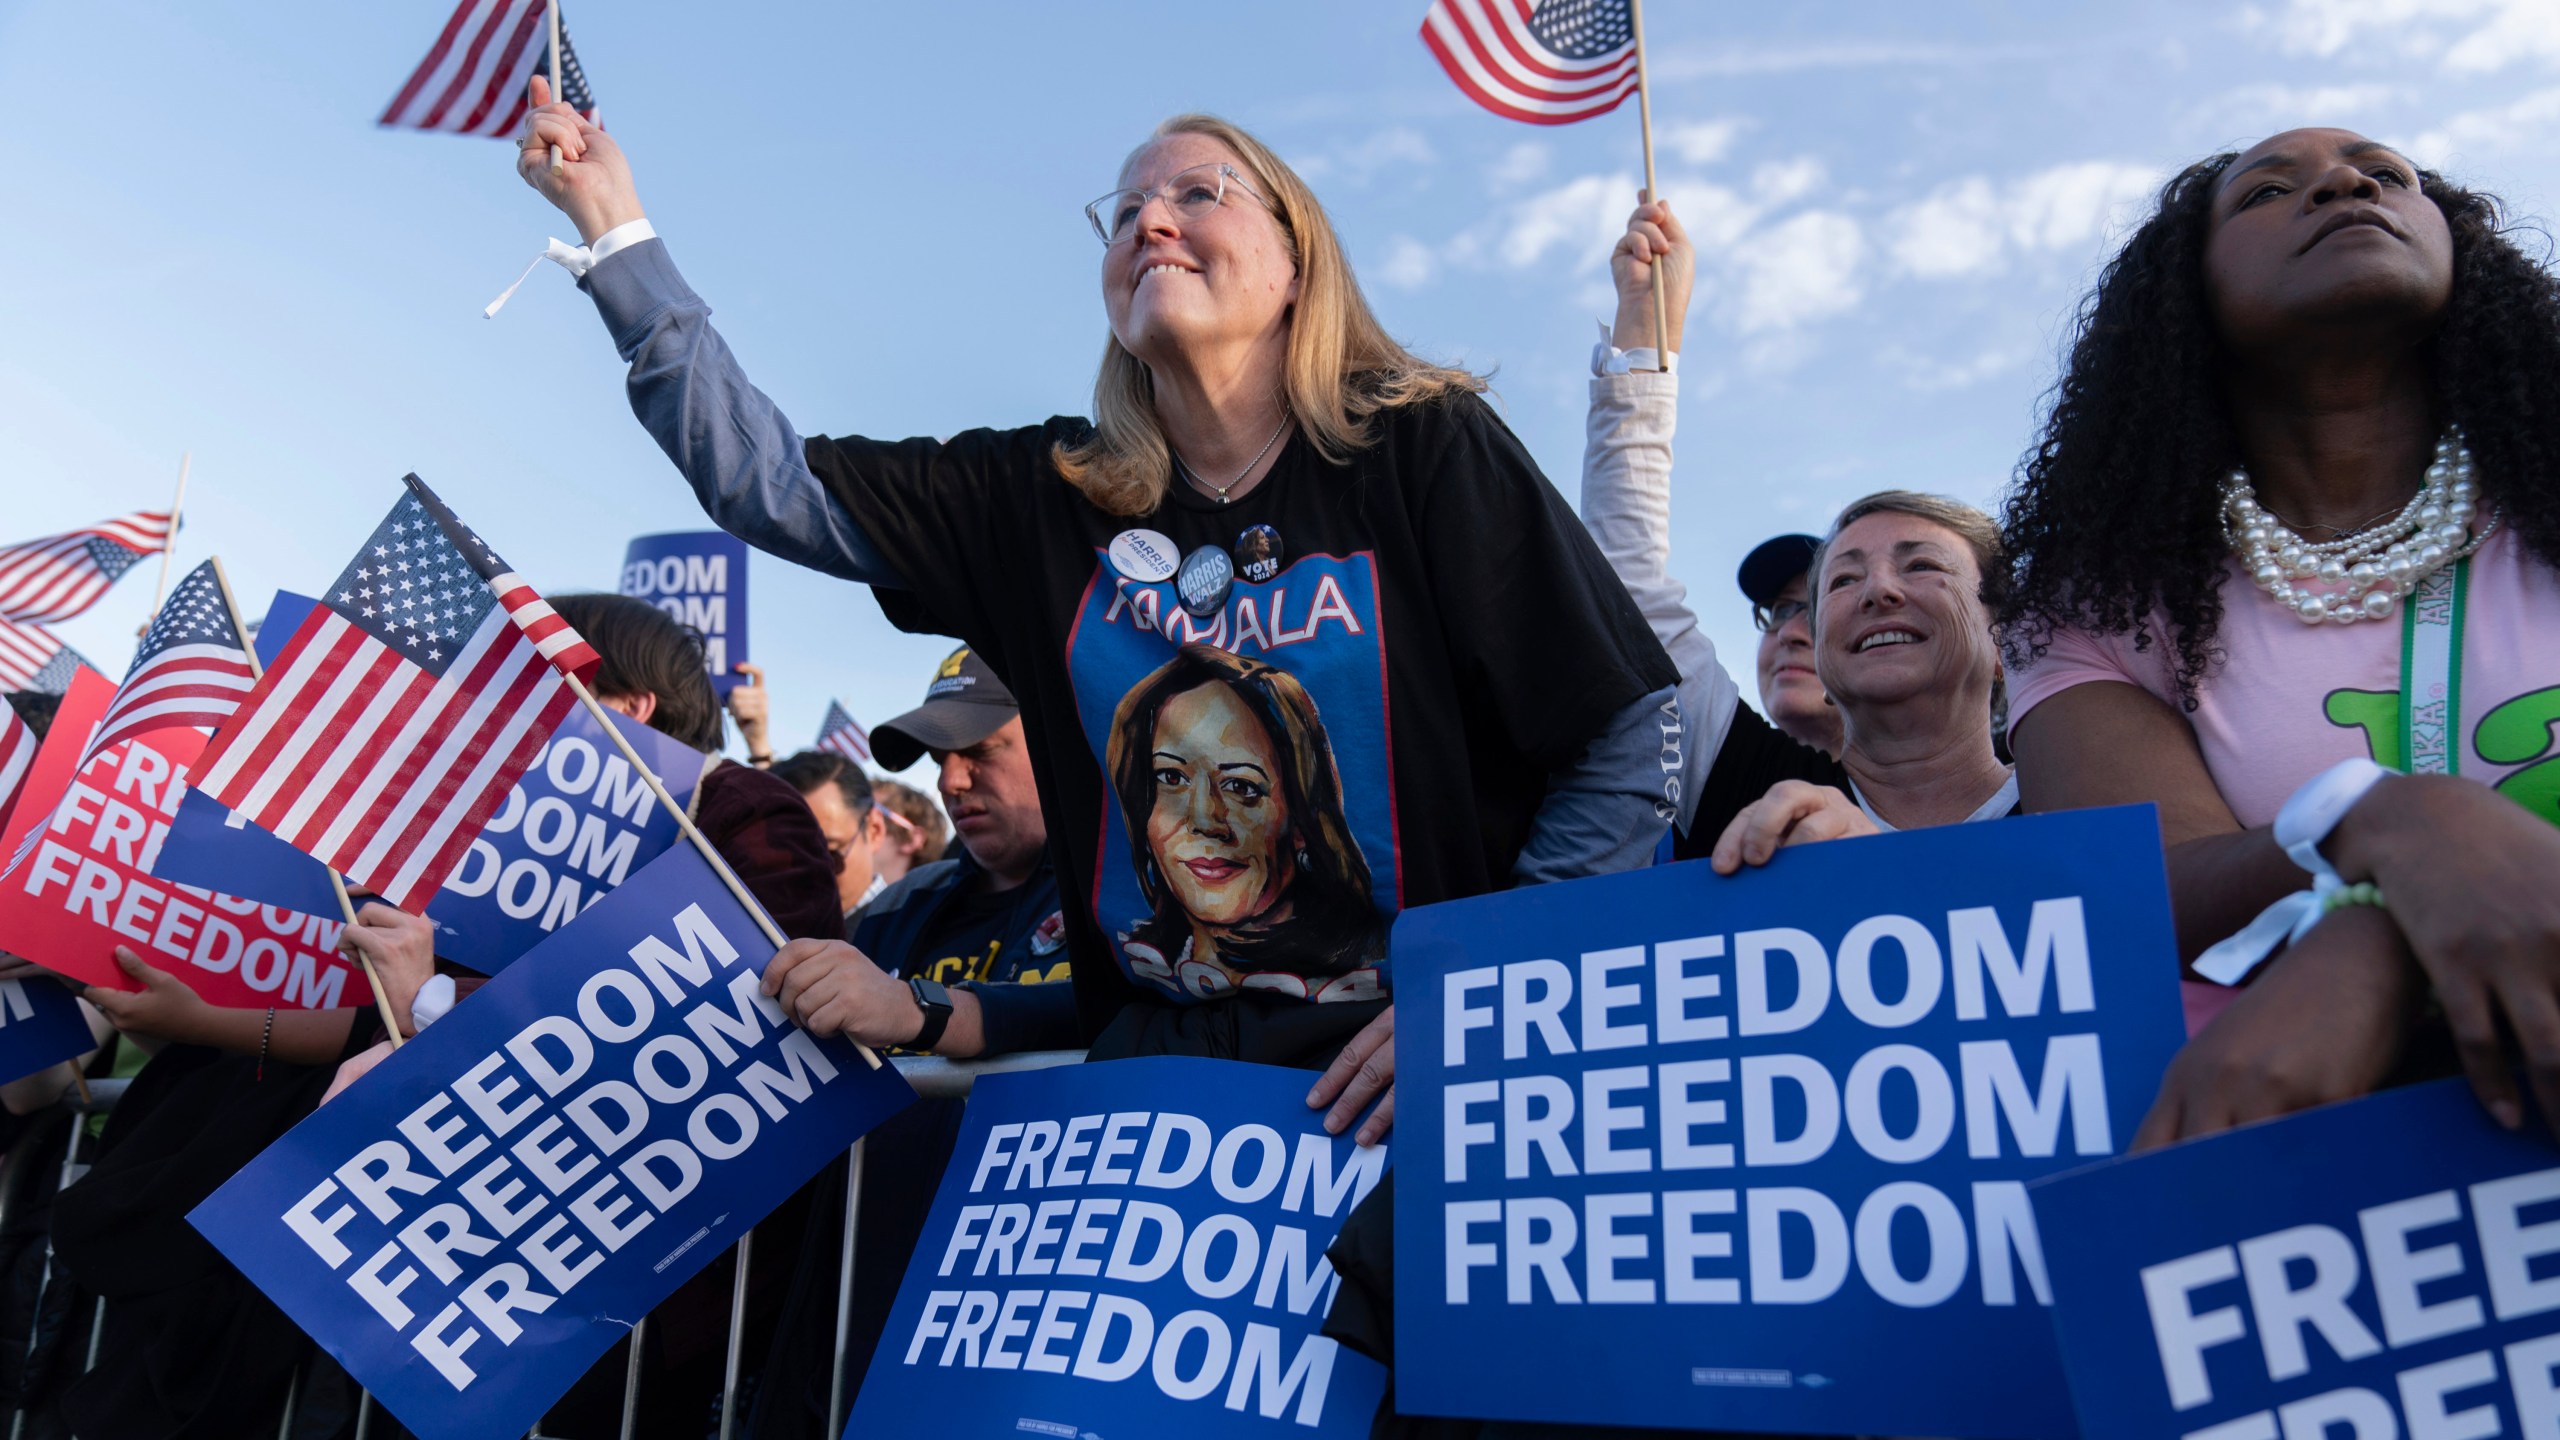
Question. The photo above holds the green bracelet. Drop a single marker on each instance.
(2364, 892)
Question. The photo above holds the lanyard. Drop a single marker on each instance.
(2431, 673)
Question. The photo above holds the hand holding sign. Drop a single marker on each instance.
(1364, 1071)
(164, 1008)
(2482, 916)
(1792, 813)
(2325, 1022)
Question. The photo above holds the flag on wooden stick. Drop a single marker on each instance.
(393, 723)
(18, 746)
(32, 659)
(841, 734)
(474, 77)
(60, 576)
(193, 667)
(1549, 62)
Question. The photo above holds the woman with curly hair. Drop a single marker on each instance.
(2289, 532)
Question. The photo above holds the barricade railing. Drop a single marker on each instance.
(932, 1077)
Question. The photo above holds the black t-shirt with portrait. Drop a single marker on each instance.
(1369, 728)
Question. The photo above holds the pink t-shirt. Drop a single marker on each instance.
(2290, 700)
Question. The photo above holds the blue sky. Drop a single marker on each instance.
(208, 246)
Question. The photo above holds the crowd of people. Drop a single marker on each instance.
(1192, 773)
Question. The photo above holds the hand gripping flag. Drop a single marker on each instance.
(1549, 62)
(843, 735)
(18, 747)
(473, 80)
(394, 722)
(193, 667)
(32, 659)
(59, 576)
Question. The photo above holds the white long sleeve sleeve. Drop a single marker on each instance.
(1626, 505)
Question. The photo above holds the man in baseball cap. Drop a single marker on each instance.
(965, 704)
(1776, 579)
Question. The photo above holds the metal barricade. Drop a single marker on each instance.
(932, 1077)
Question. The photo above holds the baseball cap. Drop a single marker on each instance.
(1768, 568)
(965, 704)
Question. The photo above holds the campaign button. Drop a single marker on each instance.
(1145, 556)
(1258, 553)
(1207, 576)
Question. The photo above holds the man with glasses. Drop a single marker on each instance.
(849, 815)
(1775, 579)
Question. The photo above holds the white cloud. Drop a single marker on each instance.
(1522, 164)
(1702, 142)
(1363, 159)
(1408, 265)
(1782, 181)
(1973, 227)
(2462, 36)
(1803, 269)
(2286, 107)
(2476, 133)
(1583, 216)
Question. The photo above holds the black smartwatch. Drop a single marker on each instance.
(935, 1002)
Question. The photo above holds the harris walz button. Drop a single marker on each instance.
(1258, 553)
(1145, 556)
(1207, 575)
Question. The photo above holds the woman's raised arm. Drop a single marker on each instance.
(737, 449)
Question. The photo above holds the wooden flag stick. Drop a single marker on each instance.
(557, 169)
(337, 883)
(684, 822)
(169, 547)
(1644, 121)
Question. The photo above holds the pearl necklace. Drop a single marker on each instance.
(2365, 573)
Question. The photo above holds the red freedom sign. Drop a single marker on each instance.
(85, 886)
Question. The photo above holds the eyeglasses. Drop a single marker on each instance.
(1190, 194)
(1770, 617)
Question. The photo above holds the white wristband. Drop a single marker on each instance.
(2315, 810)
(2305, 821)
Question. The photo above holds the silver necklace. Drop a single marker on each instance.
(2366, 572)
(1221, 490)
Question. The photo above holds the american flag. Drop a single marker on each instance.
(18, 746)
(59, 576)
(32, 659)
(193, 668)
(1549, 62)
(844, 735)
(473, 81)
(392, 724)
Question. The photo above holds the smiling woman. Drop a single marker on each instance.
(1177, 588)
(2292, 527)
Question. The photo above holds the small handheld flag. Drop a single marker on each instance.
(1552, 62)
(473, 81)
(841, 734)
(395, 720)
(32, 659)
(193, 667)
(60, 576)
(18, 747)
(1549, 62)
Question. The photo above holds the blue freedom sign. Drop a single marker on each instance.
(700, 578)
(1756, 1148)
(470, 1225)
(576, 824)
(1130, 1248)
(40, 1026)
(2359, 1272)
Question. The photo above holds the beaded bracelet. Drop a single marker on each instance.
(264, 1036)
(2363, 892)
